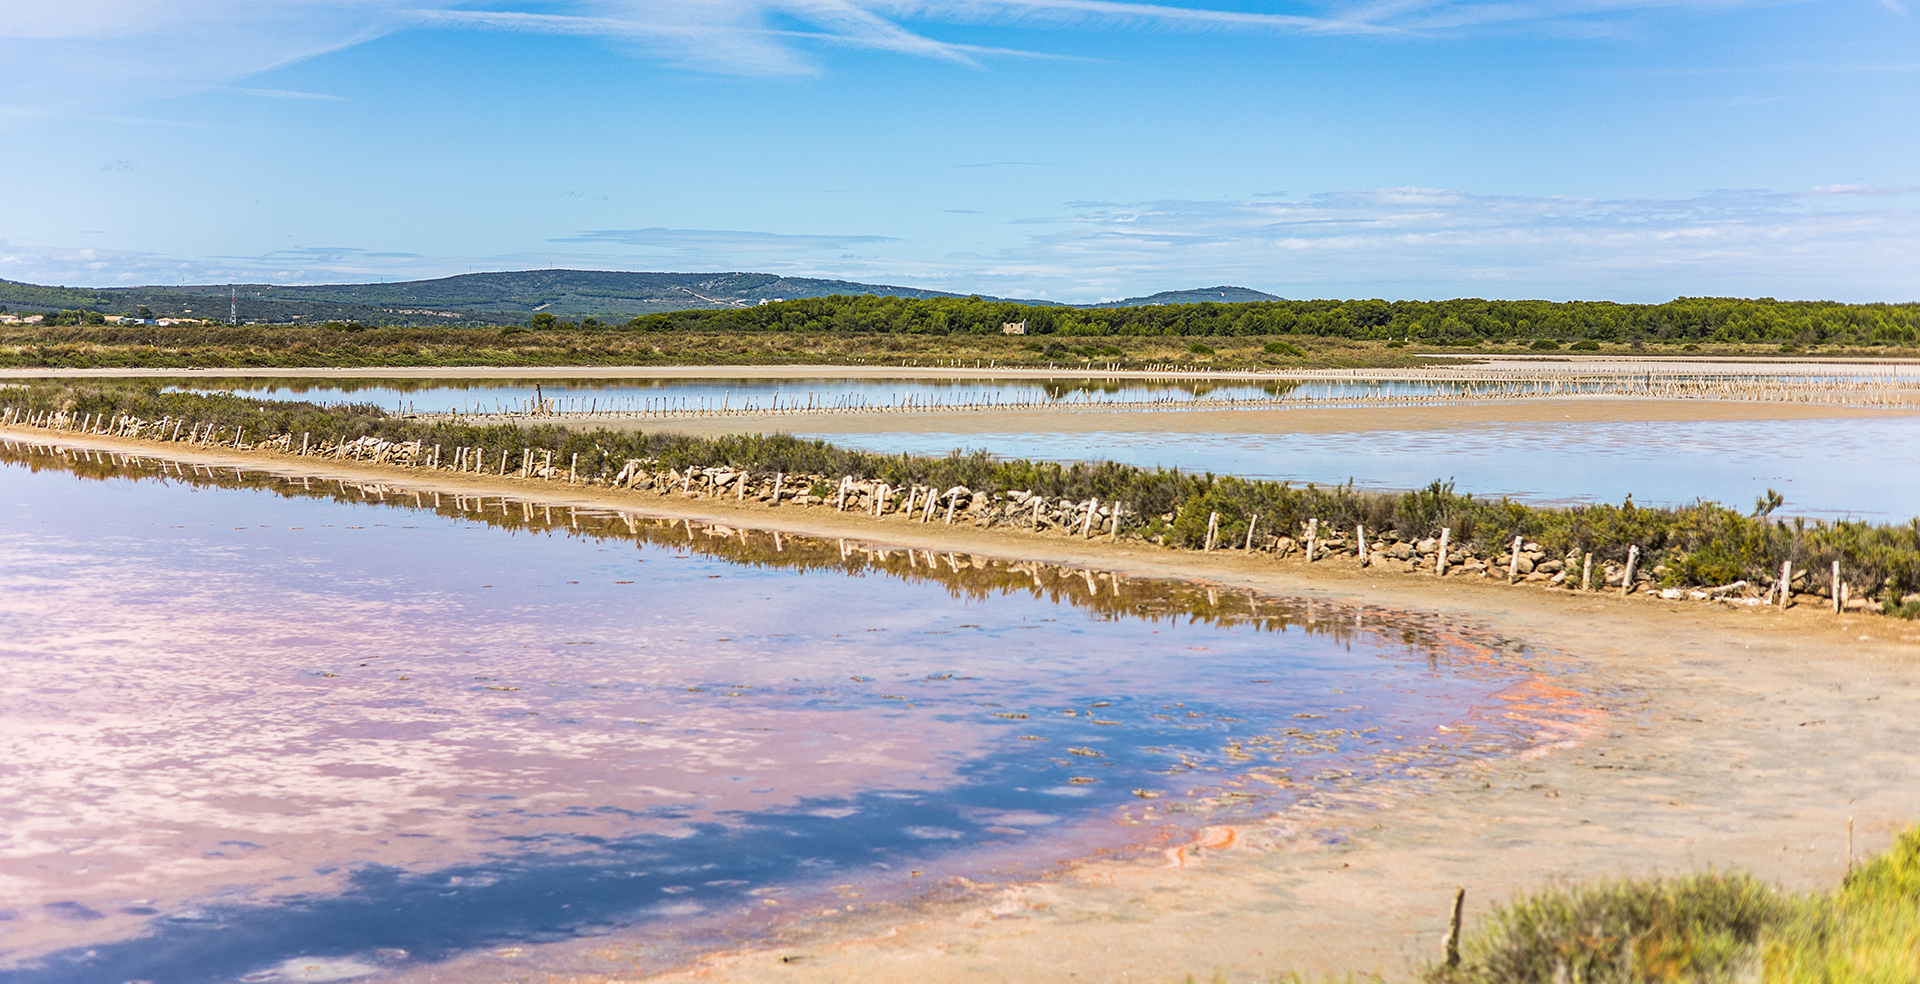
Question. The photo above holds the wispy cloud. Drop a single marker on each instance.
(721, 242)
(284, 94)
(78, 52)
(1843, 243)
(1863, 242)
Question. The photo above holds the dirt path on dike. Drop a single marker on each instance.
(1720, 738)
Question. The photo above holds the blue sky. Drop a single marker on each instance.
(1069, 149)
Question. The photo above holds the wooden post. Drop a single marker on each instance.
(951, 499)
(913, 495)
(1313, 538)
(1252, 524)
(1038, 501)
(840, 504)
(777, 476)
(933, 499)
(740, 491)
(1513, 563)
(547, 465)
(1838, 592)
(686, 484)
(1452, 942)
(880, 496)
(573, 468)
(526, 462)
(303, 441)
(1113, 536)
(1586, 573)
(1086, 525)
(1360, 543)
(1786, 583)
(1626, 577)
(503, 462)
(1213, 530)
(1440, 561)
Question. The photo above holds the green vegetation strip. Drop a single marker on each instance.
(1704, 544)
(869, 329)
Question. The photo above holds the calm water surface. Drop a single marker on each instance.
(264, 728)
(1833, 469)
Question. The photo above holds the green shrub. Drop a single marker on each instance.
(1282, 348)
(1695, 928)
(1706, 928)
(1544, 345)
(1584, 345)
(1199, 348)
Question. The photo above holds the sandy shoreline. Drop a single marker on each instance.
(1729, 738)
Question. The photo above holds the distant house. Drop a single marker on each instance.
(1013, 328)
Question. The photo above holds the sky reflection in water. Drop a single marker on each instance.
(1816, 464)
(253, 718)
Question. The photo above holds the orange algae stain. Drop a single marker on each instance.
(1215, 838)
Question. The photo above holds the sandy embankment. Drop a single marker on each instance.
(1726, 738)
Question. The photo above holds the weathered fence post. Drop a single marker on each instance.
(1452, 943)
(1586, 573)
(1440, 559)
(1513, 563)
(1626, 576)
(1213, 530)
(1313, 538)
(1786, 583)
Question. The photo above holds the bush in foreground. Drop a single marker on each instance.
(1706, 928)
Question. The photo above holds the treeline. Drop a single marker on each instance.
(1703, 544)
(1467, 320)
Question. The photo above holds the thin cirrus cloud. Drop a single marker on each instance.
(1414, 242)
(1855, 243)
(65, 53)
(721, 242)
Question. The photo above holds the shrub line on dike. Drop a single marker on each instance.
(1699, 552)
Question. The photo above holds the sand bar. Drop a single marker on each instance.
(1729, 738)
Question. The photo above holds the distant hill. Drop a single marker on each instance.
(1218, 295)
(498, 298)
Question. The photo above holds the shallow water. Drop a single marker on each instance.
(575, 395)
(1830, 469)
(681, 394)
(274, 728)
(1819, 465)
